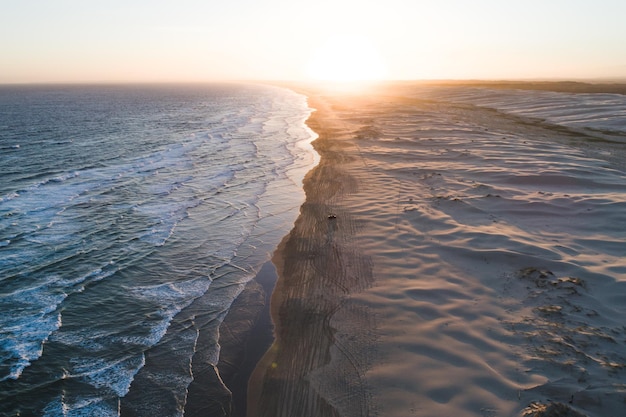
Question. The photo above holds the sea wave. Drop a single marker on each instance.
(111, 235)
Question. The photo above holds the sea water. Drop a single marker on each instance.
(123, 208)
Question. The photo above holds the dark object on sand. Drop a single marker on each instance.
(332, 217)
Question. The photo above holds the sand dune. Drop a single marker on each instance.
(449, 260)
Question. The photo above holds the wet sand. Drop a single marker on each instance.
(319, 266)
(245, 335)
(448, 260)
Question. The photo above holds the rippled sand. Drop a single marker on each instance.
(449, 260)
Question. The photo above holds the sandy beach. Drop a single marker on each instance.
(449, 260)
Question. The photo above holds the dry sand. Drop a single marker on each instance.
(449, 260)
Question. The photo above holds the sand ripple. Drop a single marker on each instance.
(495, 247)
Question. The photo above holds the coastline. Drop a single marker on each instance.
(381, 308)
(313, 284)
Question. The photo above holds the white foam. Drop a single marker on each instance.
(173, 297)
(31, 315)
(114, 375)
(22, 341)
(82, 407)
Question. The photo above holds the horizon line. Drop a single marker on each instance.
(590, 80)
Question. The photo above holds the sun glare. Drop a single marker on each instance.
(346, 58)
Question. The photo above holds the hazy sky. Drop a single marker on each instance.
(196, 40)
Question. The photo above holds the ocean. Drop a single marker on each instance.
(131, 218)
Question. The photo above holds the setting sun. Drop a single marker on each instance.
(346, 58)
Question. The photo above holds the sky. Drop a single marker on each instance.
(210, 40)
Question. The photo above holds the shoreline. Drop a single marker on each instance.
(245, 334)
(253, 301)
(313, 284)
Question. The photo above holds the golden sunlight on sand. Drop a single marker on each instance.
(449, 260)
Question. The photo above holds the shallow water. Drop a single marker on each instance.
(131, 217)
